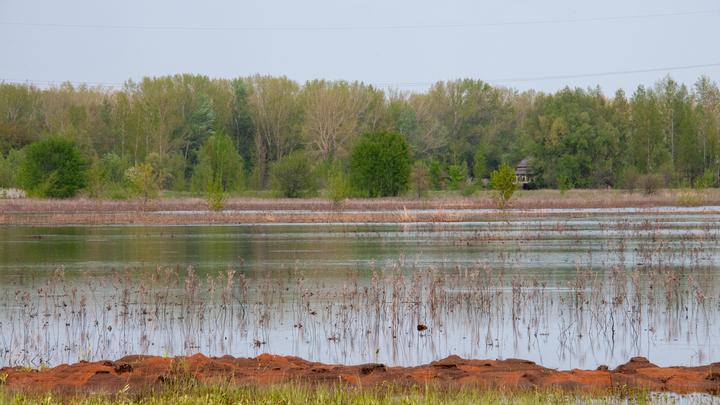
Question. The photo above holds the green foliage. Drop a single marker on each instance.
(381, 164)
(53, 168)
(709, 179)
(219, 160)
(467, 188)
(564, 184)
(97, 176)
(167, 121)
(691, 196)
(630, 179)
(114, 167)
(337, 186)
(293, 176)
(455, 177)
(480, 170)
(215, 195)
(651, 183)
(503, 183)
(144, 184)
(435, 175)
(10, 168)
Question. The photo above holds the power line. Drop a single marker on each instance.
(411, 84)
(358, 28)
(575, 76)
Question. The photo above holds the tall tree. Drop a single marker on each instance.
(646, 142)
(274, 110)
(332, 112)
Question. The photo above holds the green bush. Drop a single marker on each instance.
(503, 182)
(215, 195)
(144, 184)
(53, 168)
(630, 179)
(219, 159)
(435, 175)
(381, 164)
(652, 183)
(455, 177)
(292, 176)
(564, 184)
(337, 185)
(10, 168)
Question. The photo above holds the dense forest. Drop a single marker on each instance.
(192, 129)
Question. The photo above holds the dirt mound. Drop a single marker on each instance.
(141, 373)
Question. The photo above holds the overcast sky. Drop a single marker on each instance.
(407, 44)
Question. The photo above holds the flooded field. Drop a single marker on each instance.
(565, 293)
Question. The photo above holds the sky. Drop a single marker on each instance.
(404, 44)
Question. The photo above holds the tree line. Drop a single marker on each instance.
(257, 132)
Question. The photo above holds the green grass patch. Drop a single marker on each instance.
(227, 393)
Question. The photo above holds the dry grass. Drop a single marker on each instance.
(390, 210)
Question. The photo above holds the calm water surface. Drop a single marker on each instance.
(562, 292)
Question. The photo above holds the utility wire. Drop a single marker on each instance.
(411, 84)
(575, 76)
(357, 28)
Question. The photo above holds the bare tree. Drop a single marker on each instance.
(332, 113)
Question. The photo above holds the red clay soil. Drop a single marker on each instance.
(143, 373)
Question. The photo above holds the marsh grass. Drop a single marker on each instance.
(444, 208)
(611, 303)
(336, 393)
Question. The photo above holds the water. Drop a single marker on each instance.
(565, 293)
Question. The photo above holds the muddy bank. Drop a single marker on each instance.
(136, 374)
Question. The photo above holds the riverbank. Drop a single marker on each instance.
(145, 374)
(439, 208)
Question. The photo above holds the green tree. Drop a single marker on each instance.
(10, 168)
(219, 160)
(455, 177)
(97, 176)
(202, 123)
(503, 182)
(53, 168)
(215, 195)
(480, 170)
(381, 164)
(337, 185)
(293, 176)
(435, 175)
(144, 184)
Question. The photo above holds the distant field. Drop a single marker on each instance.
(438, 207)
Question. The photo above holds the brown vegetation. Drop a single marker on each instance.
(134, 374)
(391, 210)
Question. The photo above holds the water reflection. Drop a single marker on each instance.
(562, 292)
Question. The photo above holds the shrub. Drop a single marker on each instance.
(337, 186)
(97, 176)
(292, 176)
(630, 179)
(455, 177)
(420, 178)
(435, 175)
(53, 168)
(651, 183)
(10, 167)
(214, 195)
(564, 184)
(381, 164)
(503, 182)
(143, 183)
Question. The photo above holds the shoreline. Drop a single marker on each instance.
(138, 373)
(170, 211)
